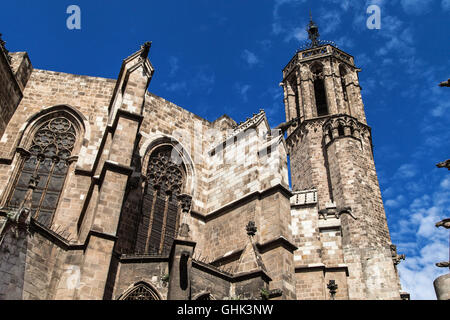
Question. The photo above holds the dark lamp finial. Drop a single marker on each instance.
(313, 32)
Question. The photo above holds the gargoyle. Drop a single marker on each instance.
(337, 212)
(344, 210)
(323, 213)
(445, 83)
(444, 164)
(443, 264)
(444, 223)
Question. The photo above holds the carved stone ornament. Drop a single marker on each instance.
(332, 286)
(396, 258)
(184, 230)
(251, 228)
(185, 201)
(337, 212)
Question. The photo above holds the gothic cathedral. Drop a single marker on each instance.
(108, 191)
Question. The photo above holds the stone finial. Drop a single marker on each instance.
(2, 43)
(251, 228)
(3, 47)
(332, 286)
(145, 49)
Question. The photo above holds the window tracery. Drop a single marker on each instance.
(47, 158)
(141, 292)
(162, 203)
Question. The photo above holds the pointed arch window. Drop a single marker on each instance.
(205, 297)
(48, 159)
(141, 291)
(161, 207)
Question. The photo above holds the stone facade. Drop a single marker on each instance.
(129, 222)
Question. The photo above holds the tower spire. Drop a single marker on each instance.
(313, 32)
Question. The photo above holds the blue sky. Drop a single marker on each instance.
(216, 57)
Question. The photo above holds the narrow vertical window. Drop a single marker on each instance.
(51, 147)
(343, 72)
(319, 91)
(341, 131)
(294, 87)
(160, 208)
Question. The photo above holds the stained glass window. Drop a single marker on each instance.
(51, 147)
(160, 207)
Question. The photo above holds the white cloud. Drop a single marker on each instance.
(416, 7)
(445, 184)
(174, 65)
(441, 108)
(395, 203)
(418, 275)
(201, 79)
(406, 171)
(345, 42)
(330, 20)
(425, 244)
(176, 86)
(243, 89)
(297, 34)
(250, 58)
(445, 5)
(277, 24)
(399, 38)
(204, 79)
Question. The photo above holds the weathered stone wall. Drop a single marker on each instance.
(13, 79)
(21, 66)
(333, 154)
(13, 252)
(30, 267)
(46, 89)
(209, 282)
(134, 271)
(308, 163)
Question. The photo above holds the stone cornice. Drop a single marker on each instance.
(321, 52)
(233, 278)
(242, 201)
(64, 243)
(323, 119)
(275, 243)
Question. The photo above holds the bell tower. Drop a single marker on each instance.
(330, 148)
